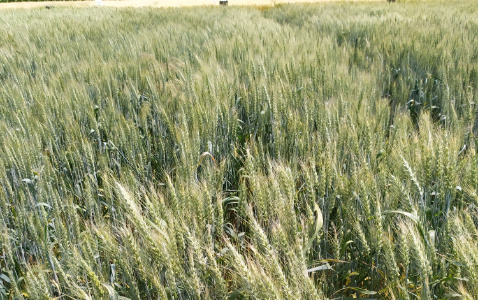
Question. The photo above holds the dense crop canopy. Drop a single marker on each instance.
(291, 152)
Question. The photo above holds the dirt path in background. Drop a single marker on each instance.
(159, 3)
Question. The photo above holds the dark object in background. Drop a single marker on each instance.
(390, 0)
(223, 2)
(49, 7)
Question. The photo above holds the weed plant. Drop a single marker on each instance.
(293, 152)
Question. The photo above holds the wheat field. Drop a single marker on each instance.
(13, 4)
(305, 151)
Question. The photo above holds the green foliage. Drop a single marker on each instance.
(293, 152)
